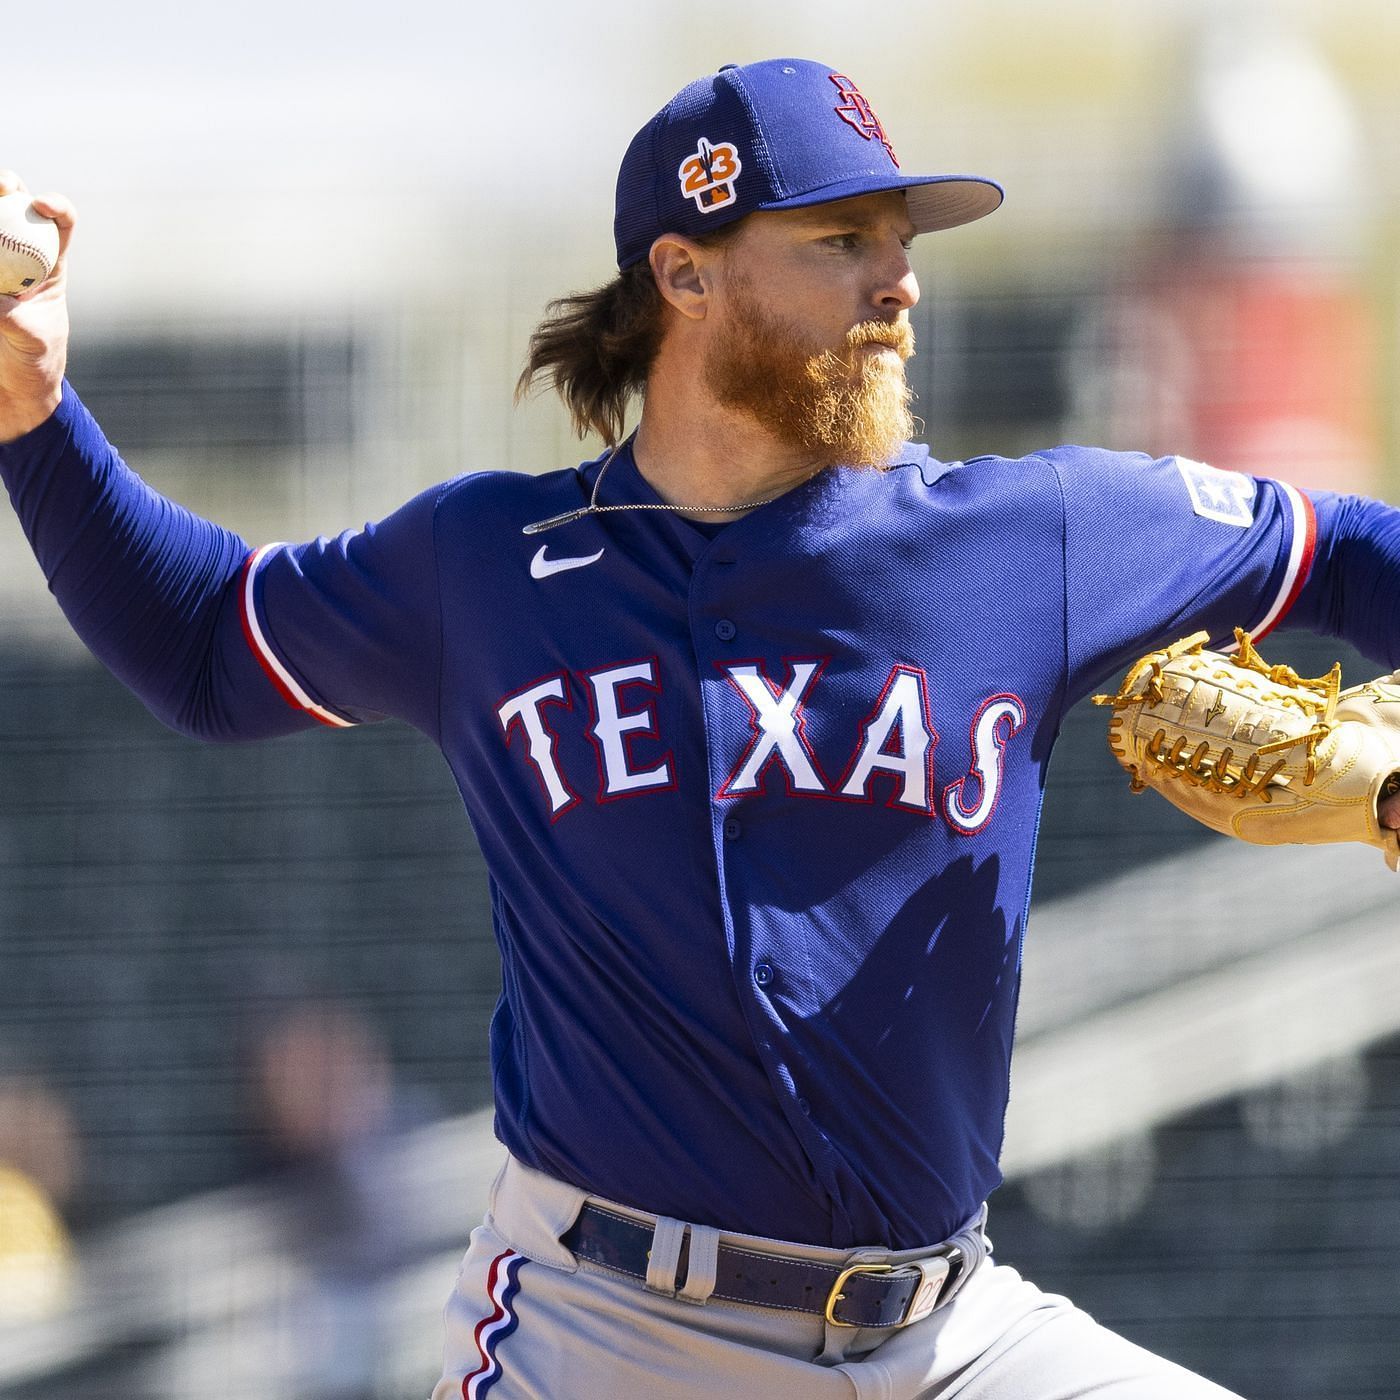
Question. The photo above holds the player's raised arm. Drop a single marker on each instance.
(219, 640)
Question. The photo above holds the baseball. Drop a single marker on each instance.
(28, 245)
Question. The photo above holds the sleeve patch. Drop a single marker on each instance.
(1218, 495)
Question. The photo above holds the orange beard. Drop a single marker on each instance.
(849, 406)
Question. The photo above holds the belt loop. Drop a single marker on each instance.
(974, 1245)
(664, 1256)
(704, 1264)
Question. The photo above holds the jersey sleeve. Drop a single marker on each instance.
(1158, 549)
(349, 629)
(220, 641)
(1353, 589)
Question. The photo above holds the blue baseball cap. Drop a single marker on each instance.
(781, 134)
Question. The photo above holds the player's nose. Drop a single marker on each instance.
(897, 287)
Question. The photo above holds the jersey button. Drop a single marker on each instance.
(804, 1108)
(764, 974)
(725, 630)
(733, 829)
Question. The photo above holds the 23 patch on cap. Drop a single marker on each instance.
(708, 176)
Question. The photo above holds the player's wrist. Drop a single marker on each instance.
(19, 419)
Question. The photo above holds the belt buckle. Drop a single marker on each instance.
(836, 1294)
(934, 1272)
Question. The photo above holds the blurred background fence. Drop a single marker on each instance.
(244, 992)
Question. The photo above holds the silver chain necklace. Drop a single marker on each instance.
(593, 508)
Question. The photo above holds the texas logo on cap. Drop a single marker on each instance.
(856, 110)
(707, 176)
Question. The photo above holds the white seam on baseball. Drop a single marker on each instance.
(255, 630)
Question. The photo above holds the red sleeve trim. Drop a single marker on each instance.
(1302, 549)
(282, 679)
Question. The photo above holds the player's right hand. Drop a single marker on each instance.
(34, 330)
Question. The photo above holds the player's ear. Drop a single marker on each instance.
(680, 267)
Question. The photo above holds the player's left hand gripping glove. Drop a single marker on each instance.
(1257, 751)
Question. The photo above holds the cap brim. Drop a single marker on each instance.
(935, 201)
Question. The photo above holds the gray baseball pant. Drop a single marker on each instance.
(528, 1320)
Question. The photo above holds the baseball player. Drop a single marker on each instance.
(751, 716)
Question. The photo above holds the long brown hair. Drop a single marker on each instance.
(596, 348)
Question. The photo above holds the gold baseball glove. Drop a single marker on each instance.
(1258, 751)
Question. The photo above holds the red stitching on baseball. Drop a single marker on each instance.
(14, 245)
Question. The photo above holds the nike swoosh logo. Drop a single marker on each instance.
(540, 567)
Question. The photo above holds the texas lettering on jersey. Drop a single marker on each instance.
(897, 739)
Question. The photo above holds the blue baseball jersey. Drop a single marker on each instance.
(758, 803)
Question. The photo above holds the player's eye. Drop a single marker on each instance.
(847, 242)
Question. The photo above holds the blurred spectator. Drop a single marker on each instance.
(38, 1171)
(324, 1107)
(1245, 337)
